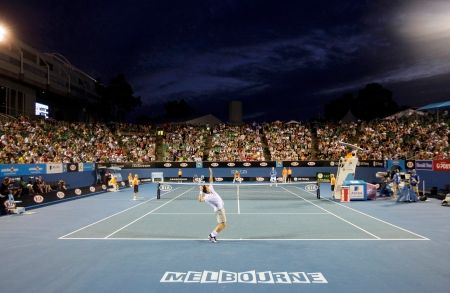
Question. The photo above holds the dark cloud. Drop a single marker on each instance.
(209, 52)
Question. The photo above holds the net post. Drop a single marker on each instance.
(158, 191)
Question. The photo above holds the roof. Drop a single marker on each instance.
(207, 119)
(436, 106)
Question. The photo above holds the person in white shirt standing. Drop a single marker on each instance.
(211, 197)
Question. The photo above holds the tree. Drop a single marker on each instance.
(178, 109)
(374, 101)
(117, 99)
(337, 108)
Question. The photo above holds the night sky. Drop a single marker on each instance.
(283, 59)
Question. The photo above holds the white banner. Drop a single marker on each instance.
(54, 168)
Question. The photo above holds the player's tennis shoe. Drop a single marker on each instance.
(212, 239)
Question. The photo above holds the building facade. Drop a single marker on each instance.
(28, 76)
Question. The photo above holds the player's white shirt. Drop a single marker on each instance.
(213, 199)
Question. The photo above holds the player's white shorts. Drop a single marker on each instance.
(221, 217)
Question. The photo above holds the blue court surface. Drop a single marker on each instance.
(278, 239)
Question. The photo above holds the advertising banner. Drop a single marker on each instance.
(88, 167)
(441, 165)
(424, 165)
(54, 168)
(22, 169)
(323, 177)
(72, 167)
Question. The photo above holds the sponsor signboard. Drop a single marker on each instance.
(21, 169)
(88, 167)
(441, 165)
(356, 191)
(424, 165)
(72, 167)
(323, 177)
(410, 164)
(54, 168)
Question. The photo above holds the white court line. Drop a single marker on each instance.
(340, 218)
(176, 213)
(367, 215)
(131, 223)
(238, 201)
(101, 220)
(249, 239)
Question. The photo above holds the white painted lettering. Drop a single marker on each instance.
(227, 277)
(172, 277)
(299, 278)
(247, 277)
(282, 278)
(318, 278)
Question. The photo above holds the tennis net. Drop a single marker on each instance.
(239, 191)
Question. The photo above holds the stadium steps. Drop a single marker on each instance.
(315, 142)
(207, 147)
(159, 148)
(266, 150)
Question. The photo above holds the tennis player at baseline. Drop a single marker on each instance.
(211, 197)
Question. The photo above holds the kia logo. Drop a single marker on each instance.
(331, 163)
(122, 183)
(263, 164)
(294, 164)
(231, 164)
(215, 164)
(165, 187)
(259, 179)
(410, 164)
(92, 189)
(183, 164)
(78, 191)
(38, 198)
(311, 187)
(311, 163)
(104, 187)
(167, 165)
(60, 194)
(73, 167)
(247, 164)
(219, 179)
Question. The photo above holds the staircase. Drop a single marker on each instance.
(207, 147)
(265, 146)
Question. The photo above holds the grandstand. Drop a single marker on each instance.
(26, 140)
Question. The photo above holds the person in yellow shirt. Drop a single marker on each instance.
(332, 182)
(284, 173)
(135, 183)
(113, 183)
(289, 174)
(130, 178)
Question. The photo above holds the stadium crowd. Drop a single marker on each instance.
(288, 141)
(39, 141)
(236, 143)
(183, 143)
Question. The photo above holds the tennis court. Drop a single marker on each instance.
(278, 239)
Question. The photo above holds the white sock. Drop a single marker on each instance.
(214, 233)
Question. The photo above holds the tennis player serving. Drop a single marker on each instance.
(211, 197)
